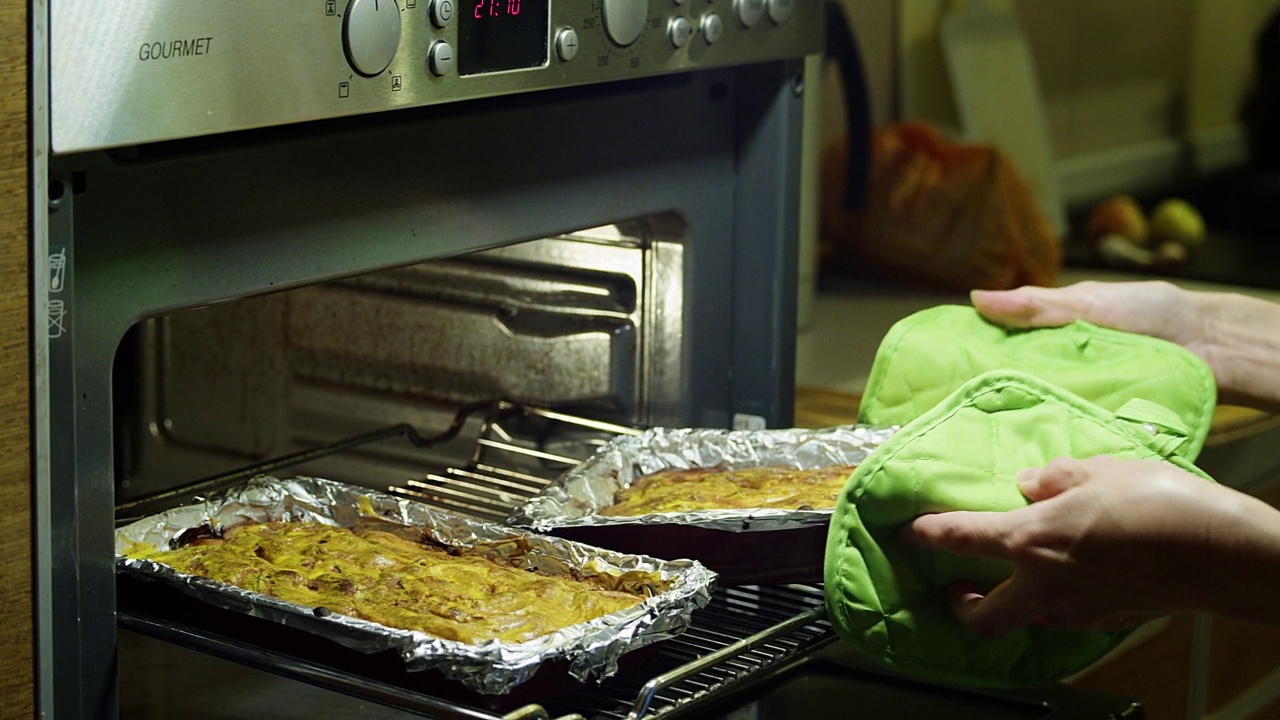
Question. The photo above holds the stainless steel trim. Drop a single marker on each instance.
(40, 432)
(135, 71)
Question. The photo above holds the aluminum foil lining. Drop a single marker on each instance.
(576, 497)
(591, 649)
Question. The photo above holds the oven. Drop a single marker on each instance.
(440, 248)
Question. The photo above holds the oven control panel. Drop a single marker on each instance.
(125, 72)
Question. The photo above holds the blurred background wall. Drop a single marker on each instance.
(1132, 91)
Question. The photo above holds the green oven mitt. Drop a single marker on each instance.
(890, 599)
(928, 355)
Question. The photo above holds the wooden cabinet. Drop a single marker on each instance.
(17, 662)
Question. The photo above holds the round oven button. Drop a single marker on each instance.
(371, 34)
(624, 19)
(440, 58)
(567, 44)
(780, 10)
(712, 28)
(680, 31)
(749, 11)
(441, 12)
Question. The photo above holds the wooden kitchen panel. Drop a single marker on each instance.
(1240, 655)
(17, 664)
(816, 408)
(1155, 672)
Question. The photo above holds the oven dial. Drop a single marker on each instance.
(624, 19)
(371, 34)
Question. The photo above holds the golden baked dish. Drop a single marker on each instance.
(721, 489)
(373, 574)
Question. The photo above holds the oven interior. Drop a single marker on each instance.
(467, 383)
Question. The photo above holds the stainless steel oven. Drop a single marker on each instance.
(393, 208)
(439, 247)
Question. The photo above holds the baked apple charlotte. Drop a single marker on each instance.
(379, 576)
(692, 489)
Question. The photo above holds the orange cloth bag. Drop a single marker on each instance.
(937, 213)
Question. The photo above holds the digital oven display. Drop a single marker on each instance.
(498, 35)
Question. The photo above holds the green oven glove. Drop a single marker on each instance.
(928, 355)
(890, 599)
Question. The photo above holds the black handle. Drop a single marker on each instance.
(842, 48)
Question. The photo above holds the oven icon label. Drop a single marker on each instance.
(57, 270)
(396, 84)
(331, 7)
(57, 318)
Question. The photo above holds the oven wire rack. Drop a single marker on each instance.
(742, 635)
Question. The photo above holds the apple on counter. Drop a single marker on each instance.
(1122, 235)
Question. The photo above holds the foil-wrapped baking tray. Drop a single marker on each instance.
(587, 650)
(743, 546)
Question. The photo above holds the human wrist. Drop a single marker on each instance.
(1239, 338)
(1243, 562)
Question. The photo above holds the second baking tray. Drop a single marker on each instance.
(743, 546)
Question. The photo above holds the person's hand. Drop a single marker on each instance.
(1155, 308)
(1109, 543)
(1236, 335)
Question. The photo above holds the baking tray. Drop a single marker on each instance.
(743, 546)
(587, 651)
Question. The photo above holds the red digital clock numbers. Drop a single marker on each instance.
(496, 8)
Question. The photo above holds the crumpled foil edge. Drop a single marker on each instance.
(576, 497)
(591, 649)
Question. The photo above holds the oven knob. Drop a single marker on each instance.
(780, 10)
(624, 19)
(749, 11)
(371, 34)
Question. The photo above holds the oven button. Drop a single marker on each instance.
(749, 11)
(440, 58)
(567, 44)
(712, 28)
(442, 12)
(780, 10)
(371, 34)
(680, 31)
(624, 19)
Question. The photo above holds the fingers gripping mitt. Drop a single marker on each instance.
(890, 600)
